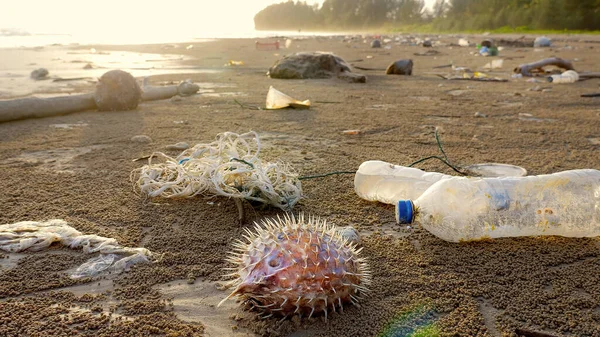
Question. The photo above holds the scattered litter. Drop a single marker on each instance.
(591, 95)
(35, 236)
(400, 67)
(278, 100)
(288, 43)
(68, 126)
(477, 76)
(481, 115)
(267, 45)
(352, 132)
(141, 139)
(463, 42)
(235, 63)
(178, 146)
(189, 47)
(230, 166)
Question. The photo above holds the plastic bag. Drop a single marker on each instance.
(35, 236)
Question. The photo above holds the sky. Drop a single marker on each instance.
(131, 18)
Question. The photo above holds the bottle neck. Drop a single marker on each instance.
(405, 212)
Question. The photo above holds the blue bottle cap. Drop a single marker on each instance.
(404, 212)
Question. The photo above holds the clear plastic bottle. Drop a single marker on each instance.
(569, 76)
(387, 183)
(462, 209)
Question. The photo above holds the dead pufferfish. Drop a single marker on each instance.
(292, 266)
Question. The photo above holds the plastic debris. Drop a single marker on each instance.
(387, 183)
(495, 64)
(462, 209)
(491, 170)
(278, 100)
(36, 236)
(230, 167)
(352, 132)
(463, 42)
(569, 76)
(235, 63)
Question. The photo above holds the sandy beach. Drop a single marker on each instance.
(77, 167)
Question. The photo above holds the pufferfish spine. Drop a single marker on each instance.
(292, 266)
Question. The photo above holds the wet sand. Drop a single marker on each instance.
(79, 171)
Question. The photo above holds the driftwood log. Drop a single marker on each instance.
(587, 76)
(526, 69)
(34, 107)
(186, 88)
(111, 95)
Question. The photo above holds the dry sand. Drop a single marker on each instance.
(79, 171)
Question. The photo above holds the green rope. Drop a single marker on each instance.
(246, 106)
(440, 147)
(242, 161)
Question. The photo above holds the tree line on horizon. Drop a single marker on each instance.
(445, 15)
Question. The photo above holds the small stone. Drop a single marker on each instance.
(400, 67)
(479, 114)
(536, 88)
(546, 90)
(350, 234)
(40, 74)
(375, 44)
(141, 139)
(352, 77)
(178, 146)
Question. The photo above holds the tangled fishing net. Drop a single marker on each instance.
(35, 236)
(230, 167)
